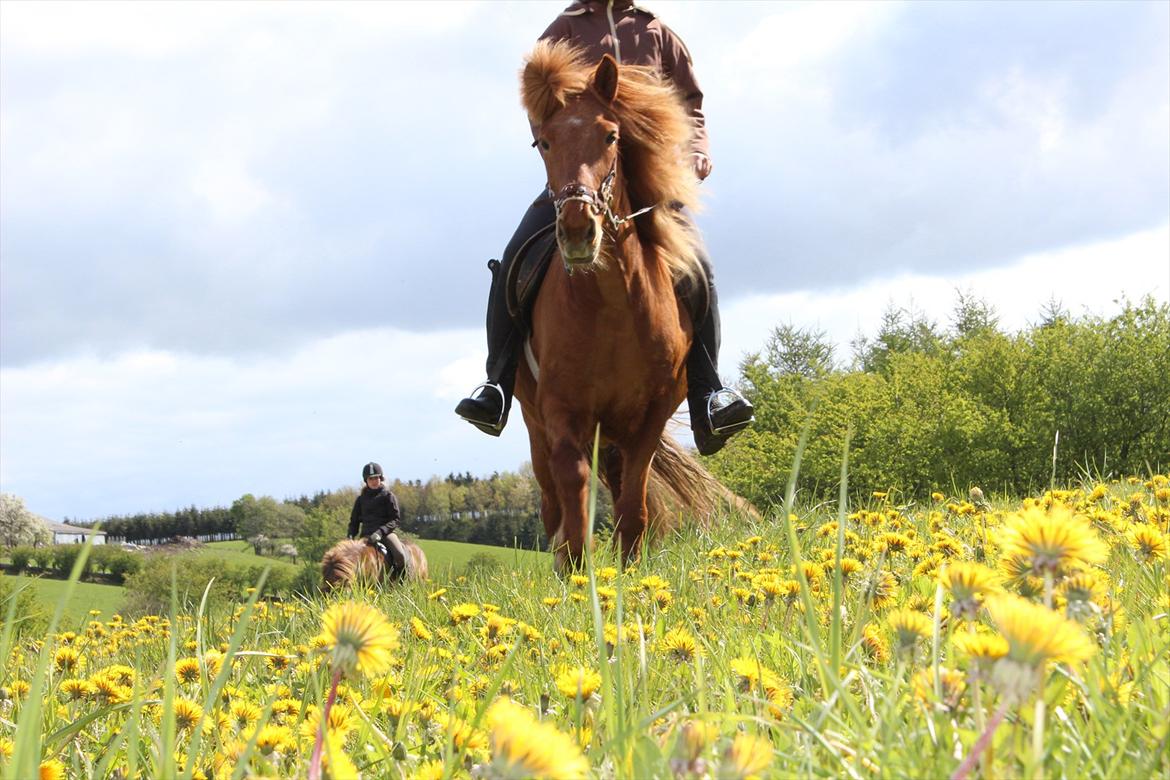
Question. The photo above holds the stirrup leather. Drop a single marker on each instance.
(726, 430)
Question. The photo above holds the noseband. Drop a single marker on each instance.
(599, 201)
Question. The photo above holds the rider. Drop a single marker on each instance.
(376, 512)
(636, 37)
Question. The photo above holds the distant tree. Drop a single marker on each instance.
(20, 526)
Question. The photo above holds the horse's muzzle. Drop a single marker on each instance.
(578, 237)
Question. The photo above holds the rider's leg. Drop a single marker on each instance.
(488, 410)
(717, 412)
(397, 557)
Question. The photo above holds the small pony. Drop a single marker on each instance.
(351, 560)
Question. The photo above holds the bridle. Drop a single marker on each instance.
(599, 201)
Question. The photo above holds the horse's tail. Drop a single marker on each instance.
(419, 570)
(680, 485)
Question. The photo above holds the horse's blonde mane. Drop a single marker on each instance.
(655, 141)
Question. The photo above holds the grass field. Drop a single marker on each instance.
(86, 596)
(446, 559)
(937, 638)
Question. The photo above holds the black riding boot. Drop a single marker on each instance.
(488, 409)
(717, 412)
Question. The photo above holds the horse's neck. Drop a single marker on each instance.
(628, 269)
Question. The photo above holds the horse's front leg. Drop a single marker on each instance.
(570, 476)
(630, 507)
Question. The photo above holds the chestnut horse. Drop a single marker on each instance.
(351, 559)
(609, 337)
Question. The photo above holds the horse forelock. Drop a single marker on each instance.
(553, 73)
(655, 141)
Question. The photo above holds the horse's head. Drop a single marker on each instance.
(578, 142)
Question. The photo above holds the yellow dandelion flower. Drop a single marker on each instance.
(747, 756)
(909, 628)
(108, 691)
(967, 583)
(983, 649)
(429, 770)
(187, 670)
(66, 659)
(75, 690)
(340, 721)
(578, 682)
(882, 590)
(461, 613)
(523, 746)
(359, 637)
(551, 601)
(187, 714)
(6, 747)
(337, 763)
(276, 738)
(1035, 636)
(52, 770)
(244, 714)
(579, 581)
(1053, 540)
(750, 674)
(952, 686)
(1149, 545)
(437, 594)
(679, 644)
(874, 644)
(420, 630)
(462, 735)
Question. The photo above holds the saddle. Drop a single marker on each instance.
(526, 272)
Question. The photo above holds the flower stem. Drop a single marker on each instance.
(980, 744)
(1038, 720)
(315, 762)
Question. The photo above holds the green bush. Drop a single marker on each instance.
(148, 590)
(114, 561)
(30, 618)
(125, 564)
(21, 558)
(63, 556)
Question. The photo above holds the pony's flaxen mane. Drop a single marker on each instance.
(655, 139)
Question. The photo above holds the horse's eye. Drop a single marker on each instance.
(544, 144)
(611, 139)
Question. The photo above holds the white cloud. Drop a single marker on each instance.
(1084, 280)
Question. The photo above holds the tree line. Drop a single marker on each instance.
(502, 509)
(932, 407)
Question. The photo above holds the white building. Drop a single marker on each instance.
(72, 534)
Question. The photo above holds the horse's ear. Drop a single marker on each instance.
(605, 79)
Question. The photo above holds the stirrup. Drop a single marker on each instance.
(490, 428)
(735, 427)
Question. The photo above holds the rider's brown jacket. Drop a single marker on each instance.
(634, 36)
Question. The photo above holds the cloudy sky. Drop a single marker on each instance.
(243, 246)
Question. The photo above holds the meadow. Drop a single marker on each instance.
(93, 600)
(951, 636)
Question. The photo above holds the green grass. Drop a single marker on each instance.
(446, 559)
(86, 596)
(240, 552)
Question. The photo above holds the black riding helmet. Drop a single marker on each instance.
(371, 470)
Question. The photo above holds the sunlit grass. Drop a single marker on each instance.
(752, 647)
